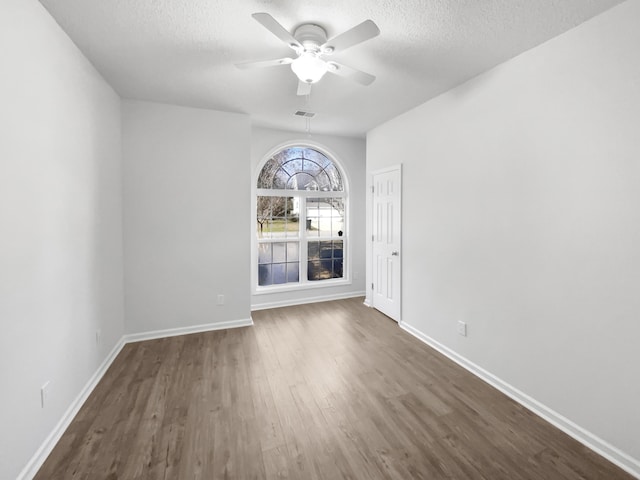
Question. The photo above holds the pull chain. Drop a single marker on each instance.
(308, 119)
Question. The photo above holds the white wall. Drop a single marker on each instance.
(521, 217)
(350, 153)
(60, 226)
(186, 193)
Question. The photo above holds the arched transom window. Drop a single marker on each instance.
(300, 219)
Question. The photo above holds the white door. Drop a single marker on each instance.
(386, 228)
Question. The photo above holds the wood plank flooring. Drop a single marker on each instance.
(325, 391)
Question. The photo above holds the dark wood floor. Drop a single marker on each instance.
(325, 391)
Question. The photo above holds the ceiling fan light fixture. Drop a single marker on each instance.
(310, 43)
(308, 67)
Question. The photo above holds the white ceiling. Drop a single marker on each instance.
(183, 51)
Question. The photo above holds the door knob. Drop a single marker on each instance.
(395, 253)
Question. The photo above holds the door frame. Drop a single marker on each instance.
(372, 174)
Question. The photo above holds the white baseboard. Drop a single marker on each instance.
(624, 461)
(301, 301)
(598, 445)
(30, 470)
(174, 332)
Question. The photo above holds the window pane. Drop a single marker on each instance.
(277, 227)
(280, 179)
(292, 153)
(279, 170)
(292, 252)
(324, 184)
(335, 178)
(263, 213)
(317, 157)
(279, 252)
(265, 179)
(337, 268)
(326, 268)
(337, 227)
(337, 249)
(279, 273)
(302, 181)
(337, 208)
(313, 250)
(337, 216)
(278, 263)
(313, 270)
(311, 167)
(325, 227)
(326, 249)
(292, 209)
(325, 260)
(293, 272)
(277, 216)
(312, 208)
(292, 214)
(264, 274)
(292, 227)
(280, 157)
(324, 207)
(313, 221)
(279, 206)
(264, 253)
(313, 227)
(320, 270)
(293, 166)
(327, 216)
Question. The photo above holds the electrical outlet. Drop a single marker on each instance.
(220, 299)
(462, 328)
(44, 393)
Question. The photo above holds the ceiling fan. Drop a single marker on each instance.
(309, 42)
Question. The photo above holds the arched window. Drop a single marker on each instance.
(300, 219)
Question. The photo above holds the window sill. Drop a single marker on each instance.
(288, 287)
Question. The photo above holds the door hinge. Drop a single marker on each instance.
(372, 188)
(372, 238)
(372, 286)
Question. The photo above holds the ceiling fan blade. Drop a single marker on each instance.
(264, 63)
(354, 74)
(278, 30)
(351, 37)
(304, 88)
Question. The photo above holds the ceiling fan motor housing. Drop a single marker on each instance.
(311, 36)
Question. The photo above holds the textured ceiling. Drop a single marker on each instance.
(183, 51)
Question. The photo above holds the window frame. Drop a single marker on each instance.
(302, 239)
